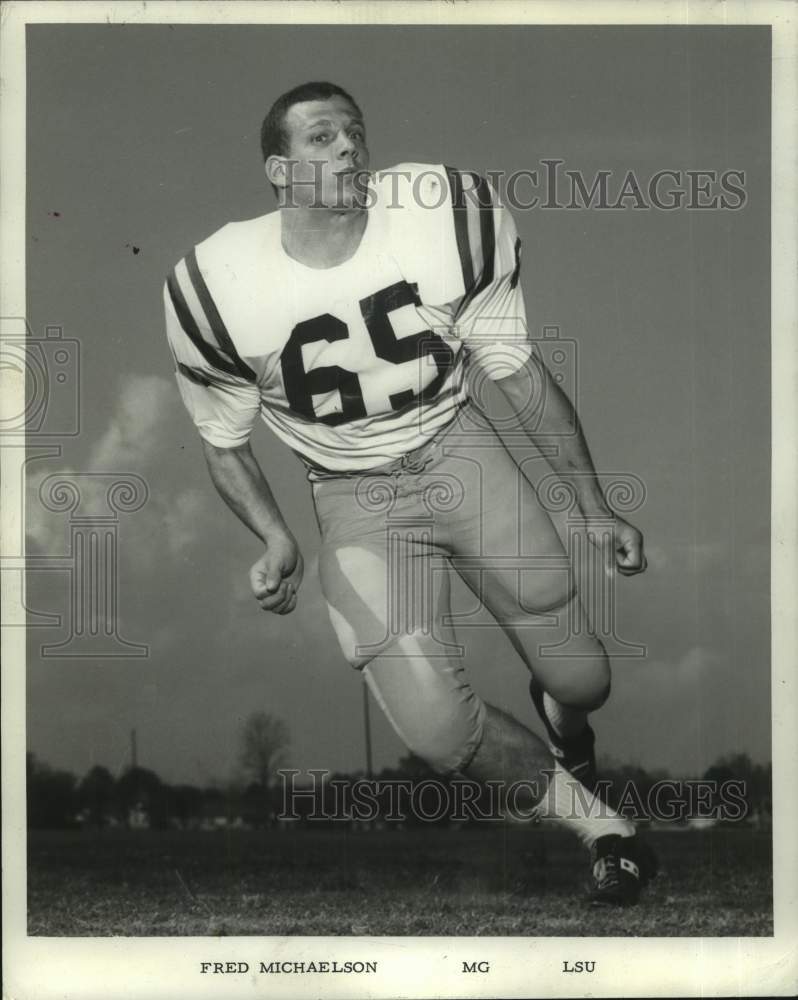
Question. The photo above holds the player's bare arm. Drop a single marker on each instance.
(277, 575)
(571, 460)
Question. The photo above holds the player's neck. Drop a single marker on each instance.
(321, 238)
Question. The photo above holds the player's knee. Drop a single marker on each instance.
(446, 753)
(446, 742)
(596, 690)
(429, 702)
(347, 639)
(583, 684)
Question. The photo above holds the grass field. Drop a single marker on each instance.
(499, 881)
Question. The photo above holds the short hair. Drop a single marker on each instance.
(273, 137)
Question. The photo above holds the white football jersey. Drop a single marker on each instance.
(355, 365)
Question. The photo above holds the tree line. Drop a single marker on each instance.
(138, 797)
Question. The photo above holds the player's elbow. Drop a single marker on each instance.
(227, 465)
(217, 453)
(523, 385)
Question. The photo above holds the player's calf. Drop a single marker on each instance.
(574, 750)
(583, 685)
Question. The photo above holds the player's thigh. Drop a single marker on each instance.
(388, 597)
(511, 555)
(505, 545)
(380, 580)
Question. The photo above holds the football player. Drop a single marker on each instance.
(355, 321)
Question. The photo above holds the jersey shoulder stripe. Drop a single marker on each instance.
(461, 226)
(517, 269)
(487, 234)
(223, 338)
(201, 321)
(472, 212)
(193, 375)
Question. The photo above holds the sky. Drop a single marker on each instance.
(142, 140)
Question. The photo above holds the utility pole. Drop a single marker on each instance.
(367, 730)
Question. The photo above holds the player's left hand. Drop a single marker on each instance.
(621, 550)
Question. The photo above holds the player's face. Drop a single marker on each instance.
(328, 156)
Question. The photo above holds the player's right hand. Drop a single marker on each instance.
(277, 576)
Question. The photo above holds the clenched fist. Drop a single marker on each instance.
(277, 576)
(621, 548)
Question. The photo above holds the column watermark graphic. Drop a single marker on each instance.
(93, 501)
(43, 373)
(588, 542)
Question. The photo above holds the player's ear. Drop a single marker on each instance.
(276, 168)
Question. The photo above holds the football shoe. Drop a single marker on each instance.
(620, 868)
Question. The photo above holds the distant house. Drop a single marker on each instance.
(702, 822)
(138, 818)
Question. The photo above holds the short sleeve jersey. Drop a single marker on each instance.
(355, 365)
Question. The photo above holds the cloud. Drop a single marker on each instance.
(697, 661)
(132, 443)
(135, 430)
(659, 682)
(664, 712)
(182, 518)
